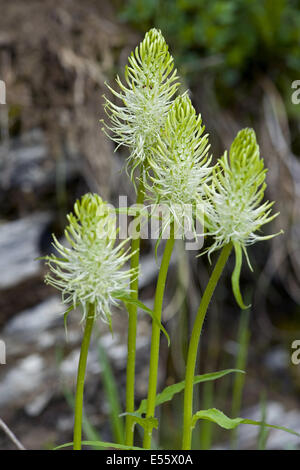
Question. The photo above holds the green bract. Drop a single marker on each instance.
(89, 269)
(180, 164)
(235, 211)
(146, 97)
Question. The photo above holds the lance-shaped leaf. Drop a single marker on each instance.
(218, 417)
(168, 393)
(102, 444)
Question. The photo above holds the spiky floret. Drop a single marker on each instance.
(180, 164)
(150, 85)
(89, 269)
(235, 212)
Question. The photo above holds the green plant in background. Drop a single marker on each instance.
(112, 396)
(263, 432)
(241, 361)
(89, 431)
(168, 146)
(237, 40)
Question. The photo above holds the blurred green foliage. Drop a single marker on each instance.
(237, 39)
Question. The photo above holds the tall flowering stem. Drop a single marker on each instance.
(155, 338)
(234, 212)
(193, 346)
(80, 378)
(180, 165)
(136, 123)
(132, 328)
(89, 273)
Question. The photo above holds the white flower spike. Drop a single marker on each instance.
(180, 164)
(150, 85)
(235, 211)
(89, 270)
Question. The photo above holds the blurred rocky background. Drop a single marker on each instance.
(239, 58)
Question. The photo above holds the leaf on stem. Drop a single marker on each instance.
(235, 278)
(218, 417)
(105, 445)
(144, 422)
(168, 393)
(139, 304)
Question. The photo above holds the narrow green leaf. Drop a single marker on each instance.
(235, 278)
(239, 380)
(111, 392)
(139, 304)
(106, 445)
(263, 432)
(89, 431)
(218, 417)
(168, 393)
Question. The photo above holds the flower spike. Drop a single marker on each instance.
(235, 211)
(180, 164)
(151, 83)
(89, 269)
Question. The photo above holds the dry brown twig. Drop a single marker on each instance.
(11, 435)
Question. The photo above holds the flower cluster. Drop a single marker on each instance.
(180, 164)
(146, 97)
(234, 209)
(167, 141)
(89, 269)
(169, 137)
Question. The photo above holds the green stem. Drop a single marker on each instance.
(80, 377)
(239, 380)
(193, 347)
(154, 355)
(132, 327)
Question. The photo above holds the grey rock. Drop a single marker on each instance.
(19, 248)
(31, 322)
(22, 380)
